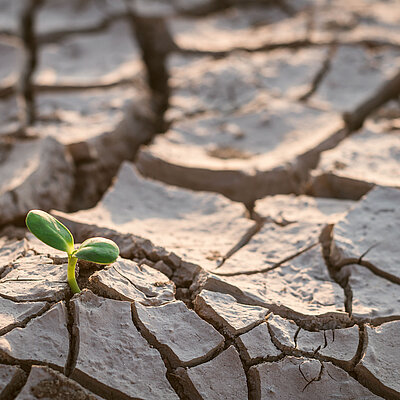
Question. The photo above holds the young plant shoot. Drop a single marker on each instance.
(53, 233)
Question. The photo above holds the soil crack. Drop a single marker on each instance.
(387, 91)
(242, 242)
(320, 75)
(25, 321)
(341, 277)
(73, 350)
(25, 85)
(156, 43)
(172, 378)
(274, 266)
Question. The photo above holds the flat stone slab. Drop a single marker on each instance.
(272, 246)
(94, 58)
(380, 364)
(204, 84)
(126, 280)
(109, 346)
(290, 208)
(100, 127)
(246, 155)
(300, 288)
(11, 378)
(34, 278)
(45, 339)
(370, 232)
(358, 163)
(185, 338)
(44, 382)
(104, 125)
(251, 27)
(221, 378)
(257, 344)
(336, 344)
(354, 75)
(224, 311)
(199, 227)
(300, 378)
(35, 174)
(13, 314)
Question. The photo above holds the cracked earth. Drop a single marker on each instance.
(244, 156)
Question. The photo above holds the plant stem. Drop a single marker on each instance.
(71, 274)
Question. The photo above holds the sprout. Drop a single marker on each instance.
(53, 233)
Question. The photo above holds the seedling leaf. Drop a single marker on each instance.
(50, 231)
(98, 250)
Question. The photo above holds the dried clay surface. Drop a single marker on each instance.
(106, 352)
(46, 383)
(126, 280)
(357, 164)
(34, 278)
(206, 226)
(11, 378)
(364, 248)
(34, 174)
(246, 154)
(44, 339)
(308, 379)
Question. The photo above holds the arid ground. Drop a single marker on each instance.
(245, 157)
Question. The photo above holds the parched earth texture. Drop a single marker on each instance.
(245, 157)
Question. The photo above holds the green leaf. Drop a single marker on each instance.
(98, 250)
(50, 231)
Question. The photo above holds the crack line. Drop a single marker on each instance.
(320, 75)
(253, 230)
(274, 266)
(153, 342)
(74, 342)
(25, 85)
(25, 321)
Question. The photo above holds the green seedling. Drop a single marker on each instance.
(53, 233)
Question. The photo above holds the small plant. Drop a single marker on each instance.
(53, 233)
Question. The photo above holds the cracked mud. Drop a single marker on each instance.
(244, 156)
